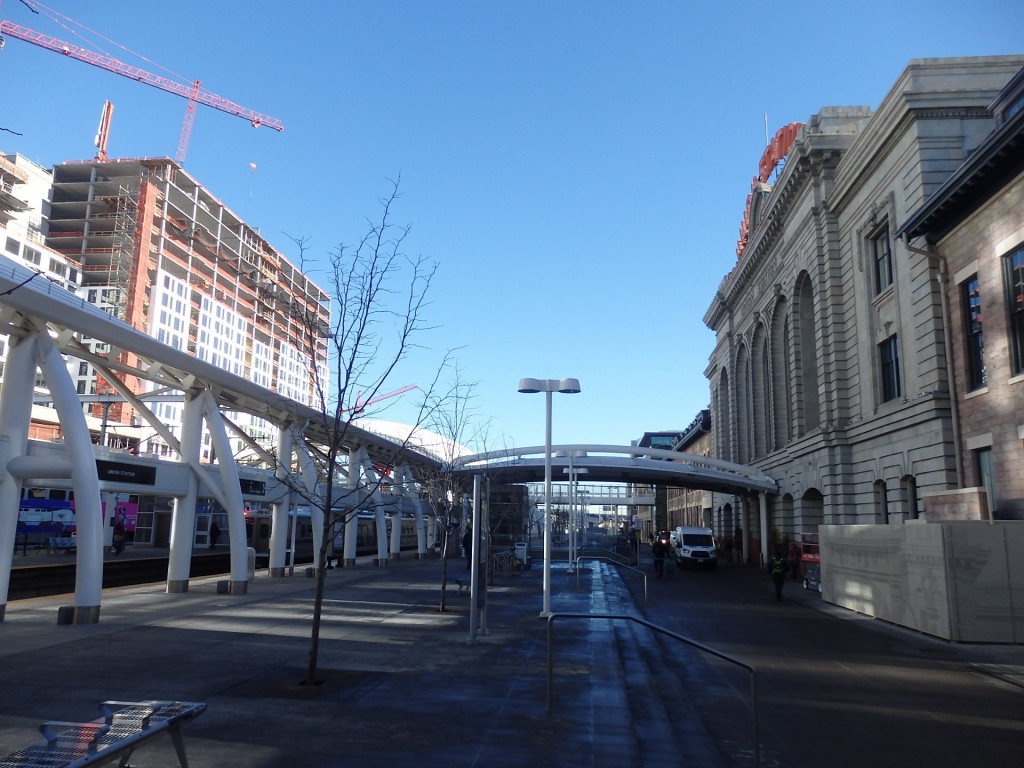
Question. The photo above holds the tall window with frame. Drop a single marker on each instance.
(1014, 271)
(974, 342)
(881, 256)
(889, 368)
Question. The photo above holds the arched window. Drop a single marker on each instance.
(722, 418)
(743, 406)
(761, 402)
(881, 503)
(782, 377)
(807, 354)
(908, 487)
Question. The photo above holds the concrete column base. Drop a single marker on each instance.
(380, 561)
(348, 562)
(177, 586)
(276, 573)
(3, 612)
(78, 614)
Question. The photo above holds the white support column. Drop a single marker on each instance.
(183, 521)
(763, 498)
(395, 547)
(281, 507)
(15, 417)
(410, 493)
(363, 476)
(371, 479)
(315, 498)
(232, 491)
(351, 517)
(745, 525)
(86, 484)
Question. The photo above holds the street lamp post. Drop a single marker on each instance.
(548, 386)
(574, 511)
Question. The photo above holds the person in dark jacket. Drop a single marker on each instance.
(777, 568)
(118, 537)
(660, 550)
(467, 546)
(794, 560)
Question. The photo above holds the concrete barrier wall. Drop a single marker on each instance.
(961, 581)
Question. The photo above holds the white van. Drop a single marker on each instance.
(692, 545)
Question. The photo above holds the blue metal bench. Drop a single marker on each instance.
(125, 725)
(62, 543)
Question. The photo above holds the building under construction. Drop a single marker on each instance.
(157, 250)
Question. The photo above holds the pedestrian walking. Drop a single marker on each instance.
(467, 545)
(118, 538)
(794, 560)
(659, 549)
(214, 534)
(778, 568)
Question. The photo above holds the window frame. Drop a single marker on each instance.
(1013, 270)
(890, 380)
(881, 262)
(974, 340)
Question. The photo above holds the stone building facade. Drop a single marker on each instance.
(692, 506)
(973, 227)
(829, 371)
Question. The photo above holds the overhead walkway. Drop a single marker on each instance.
(620, 464)
(609, 494)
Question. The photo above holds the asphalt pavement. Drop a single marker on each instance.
(398, 680)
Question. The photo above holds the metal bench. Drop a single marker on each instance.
(61, 544)
(125, 725)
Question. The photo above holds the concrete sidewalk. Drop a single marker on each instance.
(399, 683)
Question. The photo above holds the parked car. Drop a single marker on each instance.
(694, 546)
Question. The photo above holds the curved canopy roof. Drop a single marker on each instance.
(623, 464)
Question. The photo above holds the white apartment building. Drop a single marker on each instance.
(150, 245)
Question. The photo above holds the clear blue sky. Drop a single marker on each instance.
(579, 169)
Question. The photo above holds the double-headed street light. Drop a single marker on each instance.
(548, 386)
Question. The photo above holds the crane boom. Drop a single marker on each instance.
(190, 92)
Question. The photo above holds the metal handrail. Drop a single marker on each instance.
(601, 557)
(625, 560)
(662, 630)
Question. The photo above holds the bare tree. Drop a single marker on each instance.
(453, 418)
(378, 303)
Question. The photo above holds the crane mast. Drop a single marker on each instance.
(192, 92)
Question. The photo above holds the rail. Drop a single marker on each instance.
(662, 630)
(624, 560)
(506, 564)
(613, 562)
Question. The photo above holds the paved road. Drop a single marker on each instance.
(835, 688)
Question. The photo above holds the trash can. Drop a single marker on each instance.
(521, 553)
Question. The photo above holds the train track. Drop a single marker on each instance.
(57, 578)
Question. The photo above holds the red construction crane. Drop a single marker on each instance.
(192, 92)
(362, 406)
(103, 132)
